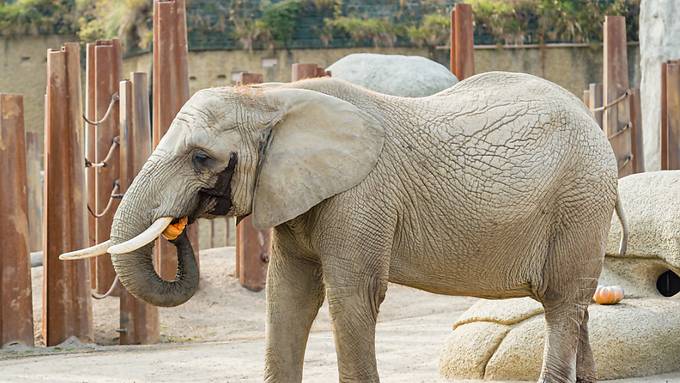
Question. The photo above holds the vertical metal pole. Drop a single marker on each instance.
(33, 168)
(462, 62)
(67, 309)
(673, 113)
(16, 307)
(664, 117)
(90, 145)
(108, 56)
(139, 322)
(615, 75)
(170, 92)
(636, 132)
(595, 91)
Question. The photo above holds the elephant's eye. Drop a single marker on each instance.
(201, 160)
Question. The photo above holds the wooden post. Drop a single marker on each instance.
(595, 91)
(33, 168)
(636, 132)
(664, 118)
(673, 114)
(66, 309)
(253, 246)
(615, 74)
(108, 66)
(138, 320)
(170, 92)
(16, 307)
(462, 62)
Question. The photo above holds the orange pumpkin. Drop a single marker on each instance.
(608, 295)
(174, 230)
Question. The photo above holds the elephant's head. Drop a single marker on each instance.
(270, 152)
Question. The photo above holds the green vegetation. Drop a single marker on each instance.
(252, 24)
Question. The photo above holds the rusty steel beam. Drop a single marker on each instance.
(615, 73)
(636, 132)
(139, 323)
(461, 60)
(16, 308)
(673, 114)
(170, 92)
(253, 246)
(67, 307)
(108, 66)
(664, 118)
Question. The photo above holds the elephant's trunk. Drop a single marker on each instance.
(136, 271)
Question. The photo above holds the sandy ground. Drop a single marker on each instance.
(218, 336)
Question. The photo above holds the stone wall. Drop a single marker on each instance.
(659, 41)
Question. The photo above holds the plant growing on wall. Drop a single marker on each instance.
(380, 32)
(433, 31)
(280, 20)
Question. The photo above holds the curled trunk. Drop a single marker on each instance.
(136, 271)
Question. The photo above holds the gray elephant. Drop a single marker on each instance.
(503, 186)
(396, 75)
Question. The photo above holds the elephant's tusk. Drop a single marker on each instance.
(94, 251)
(146, 237)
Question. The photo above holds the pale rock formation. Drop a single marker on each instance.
(396, 75)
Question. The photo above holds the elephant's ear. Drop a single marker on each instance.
(320, 146)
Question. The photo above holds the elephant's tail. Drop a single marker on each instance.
(624, 227)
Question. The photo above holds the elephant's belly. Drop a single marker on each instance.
(457, 277)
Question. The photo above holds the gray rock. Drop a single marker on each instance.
(396, 75)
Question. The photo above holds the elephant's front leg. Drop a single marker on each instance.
(294, 294)
(355, 289)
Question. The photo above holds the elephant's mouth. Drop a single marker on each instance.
(217, 200)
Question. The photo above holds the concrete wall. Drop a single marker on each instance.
(572, 67)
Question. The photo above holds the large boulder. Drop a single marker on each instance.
(638, 337)
(396, 75)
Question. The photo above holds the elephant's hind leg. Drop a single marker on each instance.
(570, 275)
(585, 362)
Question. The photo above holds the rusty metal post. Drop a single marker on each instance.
(16, 307)
(33, 168)
(67, 308)
(673, 114)
(595, 91)
(253, 246)
(108, 66)
(170, 92)
(303, 71)
(615, 73)
(586, 97)
(139, 322)
(462, 61)
(636, 132)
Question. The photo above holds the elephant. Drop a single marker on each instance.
(396, 75)
(502, 186)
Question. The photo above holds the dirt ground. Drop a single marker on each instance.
(218, 336)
